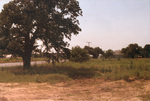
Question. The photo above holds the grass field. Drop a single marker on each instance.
(108, 69)
(95, 80)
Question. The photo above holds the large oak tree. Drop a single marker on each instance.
(22, 22)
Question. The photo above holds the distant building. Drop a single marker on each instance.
(118, 54)
(91, 56)
(8, 55)
(100, 56)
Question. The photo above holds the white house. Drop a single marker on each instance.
(8, 55)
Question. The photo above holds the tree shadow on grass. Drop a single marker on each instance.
(71, 72)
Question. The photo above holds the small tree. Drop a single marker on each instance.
(79, 55)
(94, 51)
(109, 53)
(97, 51)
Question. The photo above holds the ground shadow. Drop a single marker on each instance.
(72, 72)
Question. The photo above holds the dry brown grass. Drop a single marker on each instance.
(76, 90)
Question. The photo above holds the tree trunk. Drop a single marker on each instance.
(27, 61)
(27, 52)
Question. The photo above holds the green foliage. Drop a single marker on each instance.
(79, 55)
(94, 51)
(146, 51)
(109, 53)
(67, 53)
(22, 22)
(132, 51)
(95, 68)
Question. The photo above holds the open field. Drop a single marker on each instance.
(110, 69)
(77, 90)
(95, 80)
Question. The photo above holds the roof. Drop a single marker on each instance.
(118, 52)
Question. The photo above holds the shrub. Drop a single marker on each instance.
(79, 55)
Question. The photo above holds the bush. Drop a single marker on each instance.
(79, 55)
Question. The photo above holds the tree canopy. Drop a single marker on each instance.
(79, 55)
(109, 53)
(94, 51)
(132, 51)
(22, 22)
(146, 51)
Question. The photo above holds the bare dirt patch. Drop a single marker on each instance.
(76, 90)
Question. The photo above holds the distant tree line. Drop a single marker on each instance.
(131, 51)
(79, 54)
(135, 51)
(94, 51)
(97, 52)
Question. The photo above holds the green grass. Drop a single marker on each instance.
(113, 69)
(110, 69)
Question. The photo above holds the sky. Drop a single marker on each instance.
(112, 24)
